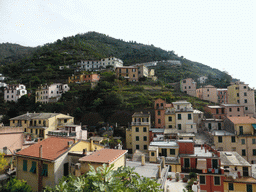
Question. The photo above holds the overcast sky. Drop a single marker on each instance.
(217, 33)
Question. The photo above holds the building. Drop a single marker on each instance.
(109, 157)
(188, 86)
(112, 62)
(142, 70)
(71, 131)
(3, 84)
(83, 78)
(160, 108)
(50, 93)
(208, 93)
(222, 95)
(241, 93)
(129, 73)
(202, 79)
(14, 92)
(137, 137)
(37, 125)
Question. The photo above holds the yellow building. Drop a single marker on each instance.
(170, 117)
(240, 184)
(140, 131)
(46, 162)
(37, 125)
(103, 156)
(130, 73)
(241, 93)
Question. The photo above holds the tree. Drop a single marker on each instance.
(15, 185)
(104, 178)
(3, 162)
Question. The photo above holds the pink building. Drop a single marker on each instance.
(226, 110)
(188, 86)
(222, 95)
(91, 78)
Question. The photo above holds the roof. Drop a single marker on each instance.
(164, 143)
(186, 134)
(232, 158)
(141, 114)
(222, 133)
(215, 107)
(156, 130)
(97, 138)
(52, 148)
(197, 111)
(242, 120)
(149, 170)
(29, 116)
(232, 105)
(241, 180)
(180, 102)
(104, 156)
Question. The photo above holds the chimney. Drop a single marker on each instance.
(77, 169)
(84, 152)
(41, 151)
(142, 159)
(163, 159)
(5, 150)
(92, 145)
(201, 147)
(159, 171)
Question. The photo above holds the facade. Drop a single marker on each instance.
(84, 78)
(11, 137)
(111, 61)
(240, 93)
(208, 93)
(160, 107)
(71, 131)
(103, 156)
(142, 70)
(37, 125)
(50, 93)
(188, 86)
(129, 73)
(222, 95)
(202, 79)
(14, 92)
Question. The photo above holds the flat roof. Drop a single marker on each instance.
(215, 107)
(186, 134)
(149, 170)
(232, 158)
(156, 130)
(221, 133)
(181, 102)
(164, 143)
(198, 152)
(232, 105)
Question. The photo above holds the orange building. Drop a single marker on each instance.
(129, 73)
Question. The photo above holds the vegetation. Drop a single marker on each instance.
(3, 162)
(15, 185)
(106, 179)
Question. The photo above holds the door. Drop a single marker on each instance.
(249, 187)
(164, 152)
(245, 172)
(186, 163)
(66, 172)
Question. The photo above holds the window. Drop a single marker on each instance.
(137, 129)
(137, 147)
(189, 87)
(36, 131)
(238, 109)
(158, 113)
(170, 118)
(244, 87)
(241, 130)
(233, 149)
(216, 180)
(230, 109)
(170, 126)
(25, 129)
(245, 101)
(145, 138)
(254, 152)
(144, 129)
(152, 154)
(31, 130)
(39, 121)
(25, 165)
(253, 141)
(220, 139)
(172, 151)
(230, 186)
(159, 121)
(242, 141)
(65, 120)
(45, 170)
(33, 167)
(179, 126)
(246, 108)
(202, 180)
(179, 116)
(145, 147)
(137, 138)
(189, 117)
(185, 87)
(243, 152)
(249, 187)
(233, 139)
(245, 94)
(237, 94)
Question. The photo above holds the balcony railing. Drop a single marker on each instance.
(62, 134)
(209, 171)
(140, 123)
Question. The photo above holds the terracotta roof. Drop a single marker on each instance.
(242, 120)
(52, 148)
(241, 180)
(104, 156)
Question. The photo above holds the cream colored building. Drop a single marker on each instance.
(14, 92)
(241, 93)
(129, 73)
(208, 93)
(170, 118)
(188, 86)
(37, 125)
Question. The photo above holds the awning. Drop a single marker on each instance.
(201, 164)
(254, 126)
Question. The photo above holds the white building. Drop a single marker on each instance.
(3, 84)
(111, 61)
(14, 92)
(89, 65)
(202, 79)
(50, 93)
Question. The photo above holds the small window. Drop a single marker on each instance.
(158, 113)
(220, 139)
(31, 130)
(242, 141)
(216, 180)
(246, 108)
(159, 121)
(152, 154)
(172, 151)
(45, 170)
(179, 126)
(254, 152)
(179, 116)
(65, 120)
(144, 129)
(233, 139)
(170, 118)
(243, 152)
(202, 180)
(33, 167)
(245, 101)
(253, 141)
(238, 109)
(230, 186)
(137, 129)
(145, 147)
(189, 117)
(25, 165)
(170, 126)
(137, 147)
(245, 94)
(230, 109)
(145, 138)
(137, 138)
(36, 131)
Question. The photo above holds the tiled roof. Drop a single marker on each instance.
(104, 156)
(242, 120)
(29, 116)
(52, 148)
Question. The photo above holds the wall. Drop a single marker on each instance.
(128, 139)
(238, 187)
(12, 140)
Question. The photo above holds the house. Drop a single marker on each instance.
(3, 84)
(93, 78)
(160, 108)
(50, 93)
(71, 131)
(188, 86)
(208, 93)
(202, 79)
(111, 61)
(14, 92)
(222, 95)
(37, 125)
(142, 70)
(103, 156)
(241, 93)
(129, 73)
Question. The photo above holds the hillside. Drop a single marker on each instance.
(42, 65)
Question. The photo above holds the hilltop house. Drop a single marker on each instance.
(14, 92)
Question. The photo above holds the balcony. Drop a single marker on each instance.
(140, 123)
(208, 171)
(62, 134)
(169, 159)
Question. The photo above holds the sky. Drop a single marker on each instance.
(217, 33)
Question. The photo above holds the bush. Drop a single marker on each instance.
(15, 185)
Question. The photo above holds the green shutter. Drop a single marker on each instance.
(45, 170)
(33, 167)
(25, 163)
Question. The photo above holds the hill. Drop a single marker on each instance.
(42, 64)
